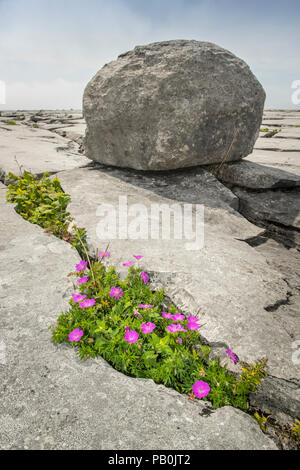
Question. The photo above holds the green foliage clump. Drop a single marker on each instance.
(158, 356)
(261, 420)
(44, 203)
(10, 123)
(296, 431)
(252, 375)
(270, 133)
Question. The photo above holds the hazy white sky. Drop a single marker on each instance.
(49, 49)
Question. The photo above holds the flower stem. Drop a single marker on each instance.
(87, 256)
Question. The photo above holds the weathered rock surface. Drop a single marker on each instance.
(288, 161)
(251, 175)
(50, 400)
(280, 398)
(36, 150)
(278, 211)
(227, 280)
(195, 282)
(279, 144)
(282, 150)
(171, 105)
(267, 181)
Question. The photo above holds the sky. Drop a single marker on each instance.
(50, 49)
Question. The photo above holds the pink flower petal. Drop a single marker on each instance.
(201, 389)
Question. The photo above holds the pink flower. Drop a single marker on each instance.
(81, 266)
(178, 317)
(148, 327)
(127, 328)
(193, 326)
(145, 306)
(116, 292)
(145, 277)
(131, 336)
(75, 335)
(201, 389)
(78, 298)
(83, 280)
(138, 257)
(130, 263)
(179, 340)
(175, 328)
(169, 316)
(232, 356)
(103, 254)
(87, 303)
(193, 319)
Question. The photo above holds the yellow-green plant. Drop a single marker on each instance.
(251, 376)
(43, 202)
(261, 420)
(296, 430)
(10, 123)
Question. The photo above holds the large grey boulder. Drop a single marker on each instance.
(171, 105)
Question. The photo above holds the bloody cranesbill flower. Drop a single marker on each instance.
(169, 316)
(75, 335)
(178, 317)
(193, 326)
(138, 257)
(131, 336)
(81, 266)
(193, 319)
(116, 292)
(83, 280)
(175, 328)
(201, 389)
(148, 327)
(232, 356)
(179, 340)
(145, 306)
(130, 263)
(78, 298)
(145, 277)
(103, 254)
(87, 303)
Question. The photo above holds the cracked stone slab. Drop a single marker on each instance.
(287, 121)
(288, 133)
(51, 400)
(227, 280)
(254, 176)
(288, 161)
(278, 144)
(280, 208)
(281, 398)
(37, 150)
(281, 114)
